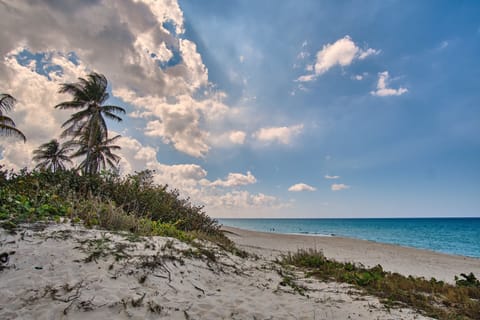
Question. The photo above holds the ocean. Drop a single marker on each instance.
(459, 236)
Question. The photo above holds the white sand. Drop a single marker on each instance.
(47, 278)
(406, 261)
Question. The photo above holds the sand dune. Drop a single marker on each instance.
(68, 272)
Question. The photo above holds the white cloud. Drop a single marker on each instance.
(301, 187)
(281, 135)
(228, 139)
(359, 77)
(342, 53)
(306, 78)
(197, 72)
(339, 187)
(244, 200)
(184, 121)
(192, 180)
(235, 180)
(136, 157)
(368, 52)
(303, 54)
(134, 31)
(383, 91)
(328, 177)
(237, 137)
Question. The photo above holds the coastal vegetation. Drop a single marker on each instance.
(106, 200)
(431, 297)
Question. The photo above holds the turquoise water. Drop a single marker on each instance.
(460, 236)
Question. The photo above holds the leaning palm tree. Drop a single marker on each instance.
(7, 125)
(89, 96)
(87, 126)
(52, 156)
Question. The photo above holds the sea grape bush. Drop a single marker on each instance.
(100, 199)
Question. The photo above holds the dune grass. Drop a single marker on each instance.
(431, 297)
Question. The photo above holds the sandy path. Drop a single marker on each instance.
(406, 261)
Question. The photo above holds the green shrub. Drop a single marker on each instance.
(468, 280)
(107, 200)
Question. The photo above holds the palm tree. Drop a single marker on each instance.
(51, 156)
(7, 125)
(89, 95)
(98, 156)
(87, 126)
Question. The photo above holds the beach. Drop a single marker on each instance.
(61, 271)
(404, 260)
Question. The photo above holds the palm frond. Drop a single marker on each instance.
(114, 109)
(6, 121)
(7, 102)
(12, 131)
(70, 105)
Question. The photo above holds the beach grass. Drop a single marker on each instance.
(431, 297)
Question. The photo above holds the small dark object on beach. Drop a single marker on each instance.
(4, 257)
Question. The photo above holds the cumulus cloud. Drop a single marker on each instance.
(244, 200)
(140, 47)
(192, 180)
(383, 90)
(329, 177)
(150, 66)
(299, 187)
(342, 53)
(283, 135)
(184, 122)
(235, 180)
(136, 157)
(339, 187)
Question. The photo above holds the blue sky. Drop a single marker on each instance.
(281, 109)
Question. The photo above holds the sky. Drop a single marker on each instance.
(267, 108)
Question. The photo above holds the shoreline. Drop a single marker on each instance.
(453, 238)
(395, 258)
(333, 235)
